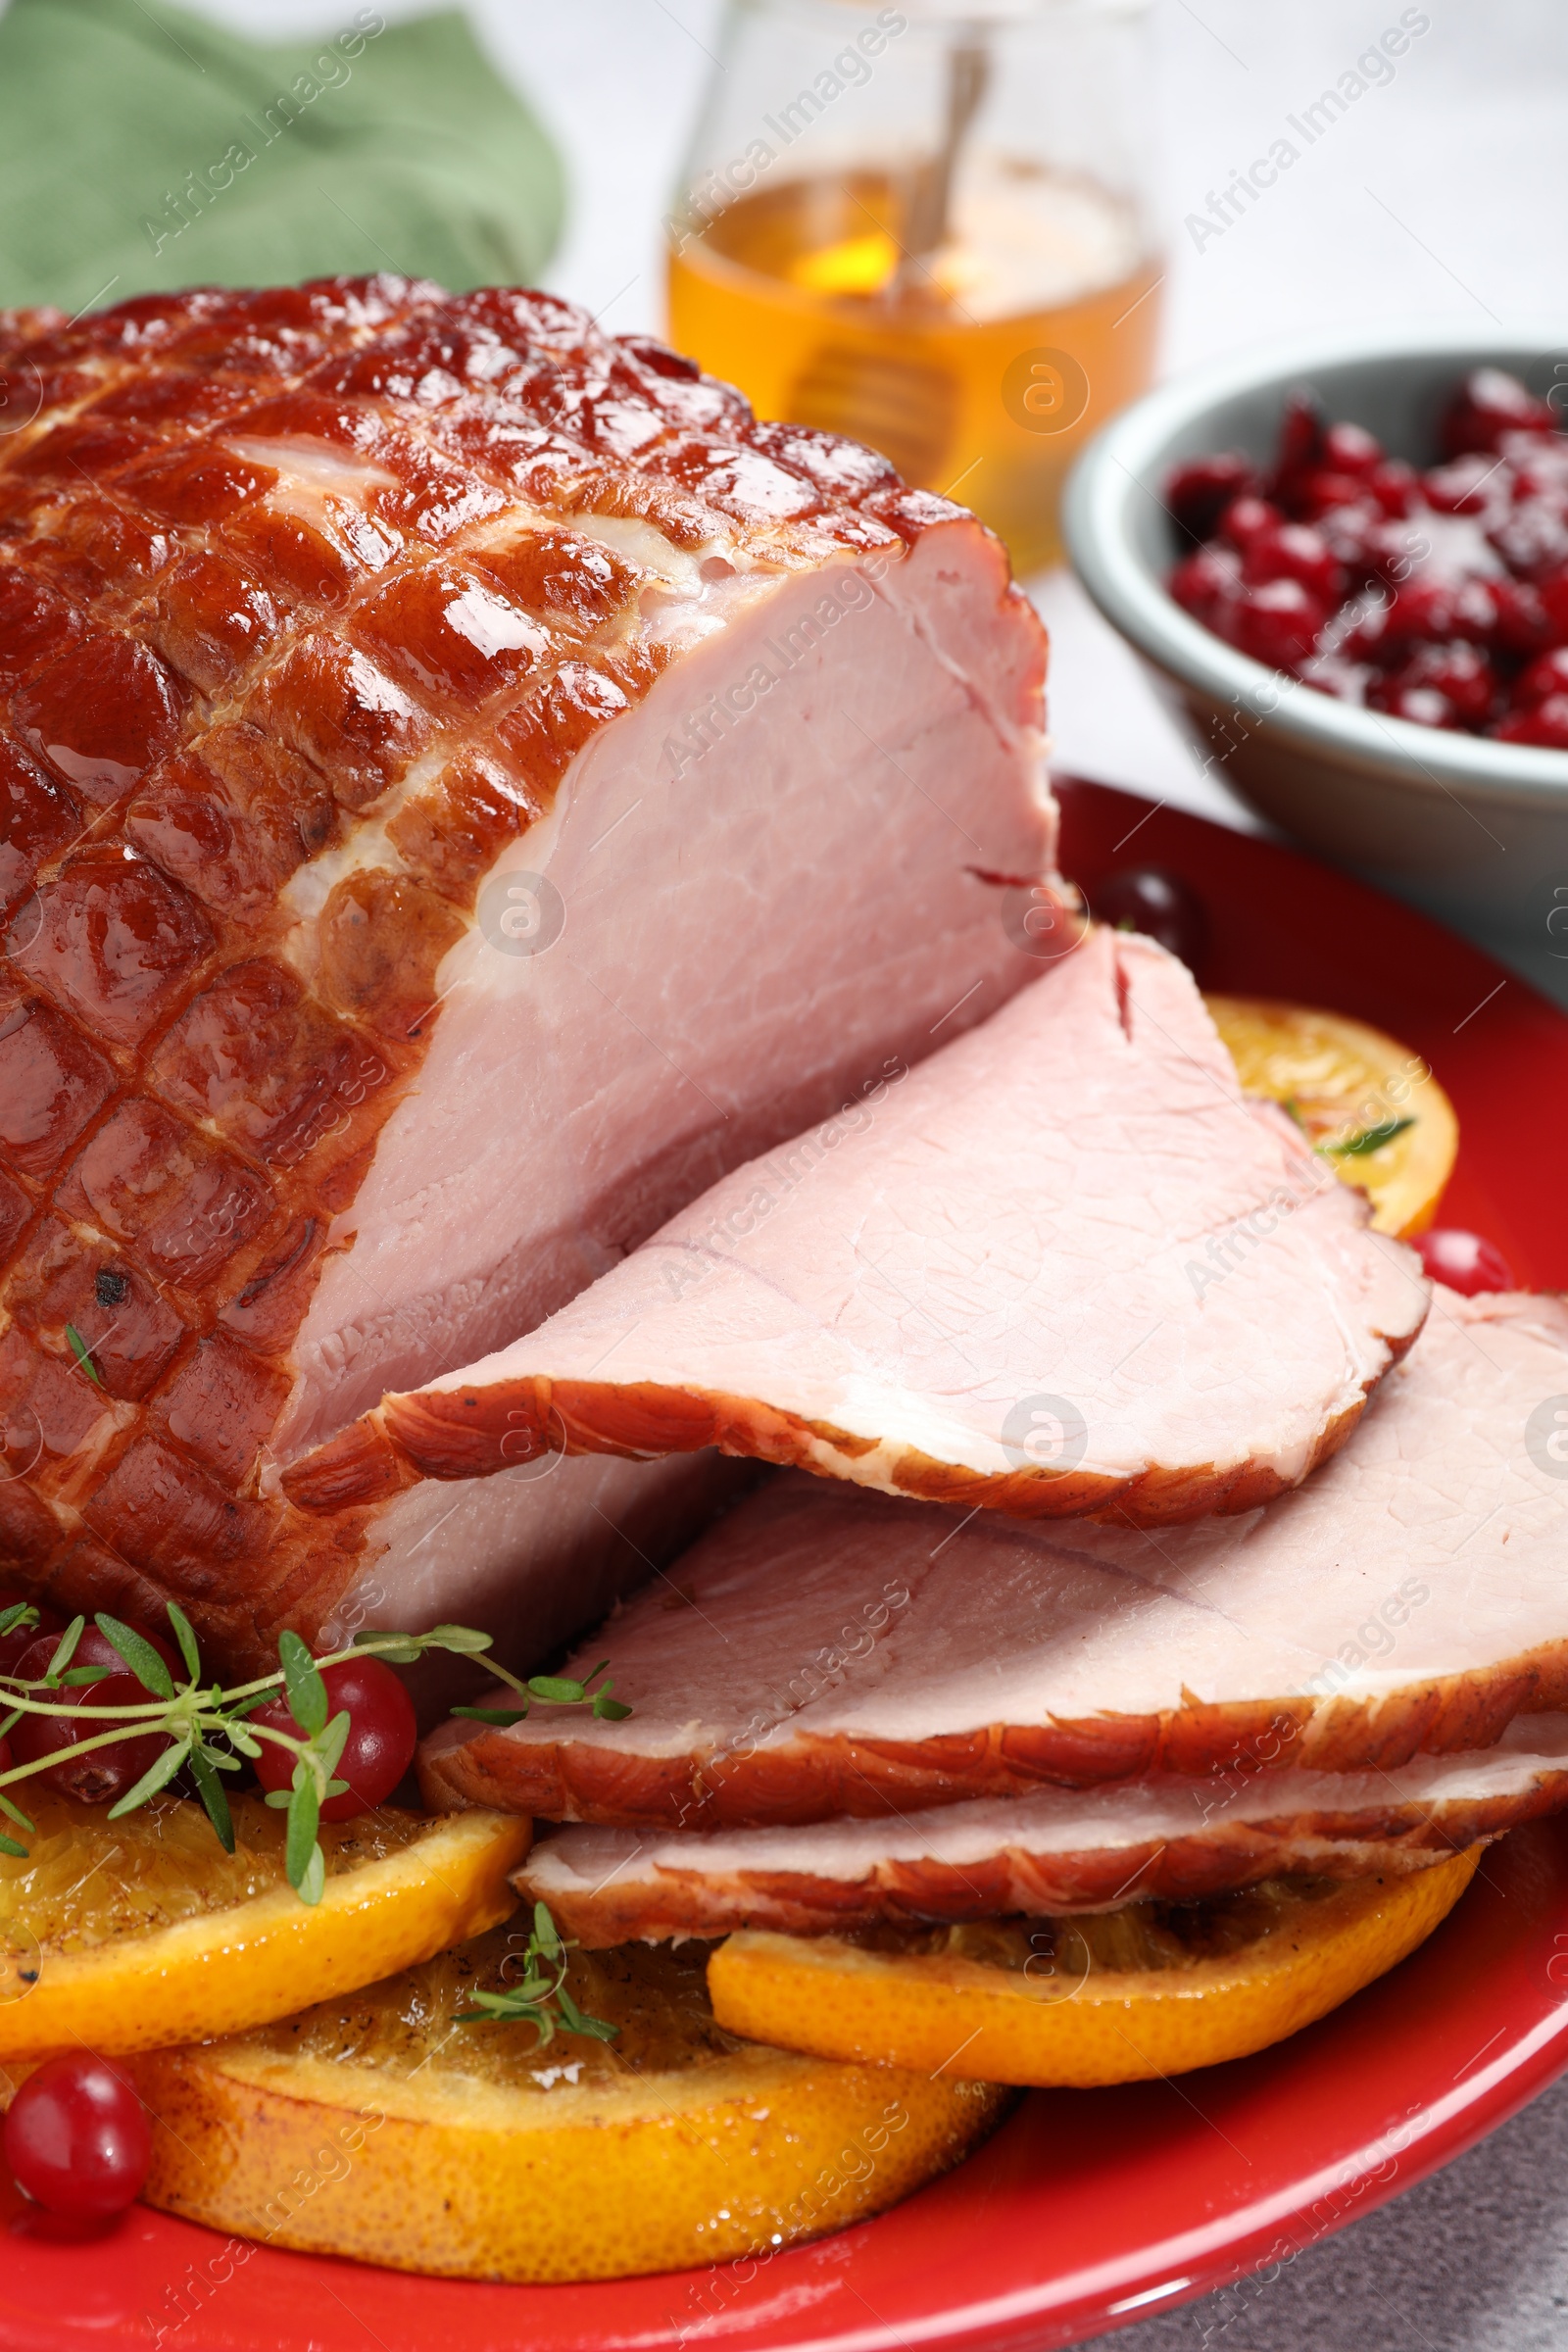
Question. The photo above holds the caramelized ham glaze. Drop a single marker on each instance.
(330, 619)
(1061, 1268)
(1055, 1850)
(824, 1652)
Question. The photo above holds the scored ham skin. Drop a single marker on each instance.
(1057, 1850)
(824, 1652)
(1073, 1204)
(321, 610)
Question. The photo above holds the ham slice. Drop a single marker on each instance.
(1062, 1267)
(1054, 1852)
(826, 1651)
(464, 784)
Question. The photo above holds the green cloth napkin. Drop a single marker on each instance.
(142, 148)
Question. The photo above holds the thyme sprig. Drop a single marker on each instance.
(211, 1728)
(550, 1690)
(540, 1997)
(1369, 1139)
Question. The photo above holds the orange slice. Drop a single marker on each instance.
(1367, 1102)
(129, 1935)
(377, 2128)
(1155, 1989)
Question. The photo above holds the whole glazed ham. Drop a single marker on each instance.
(463, 785)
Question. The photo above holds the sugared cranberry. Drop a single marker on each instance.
(1312, 496)
(1547, 674)
(1301, 436)
(1467, 485)
(77, 2138)
(1488, 404)
(1245, 517)
(1201, 580)
(1352, 449)
(383, 1735)
(1278, 622)
(1198, 491)
(1159, 905)
(1437, 612)
(1551, 596)
(1394, 484)
(1464, 1260)
(1293, 551)
(1460, 672)
(1533, 540)
(1524, 624)
(1545, 725)
(1423, 706)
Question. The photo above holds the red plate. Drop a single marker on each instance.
(1088, 2207)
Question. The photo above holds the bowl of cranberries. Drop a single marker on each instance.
(1351, 565)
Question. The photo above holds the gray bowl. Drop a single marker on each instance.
(1474, 830)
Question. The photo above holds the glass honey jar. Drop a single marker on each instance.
(927, 227)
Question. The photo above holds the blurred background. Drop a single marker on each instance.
(577, 145)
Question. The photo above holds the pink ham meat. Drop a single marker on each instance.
(464, 784)
(825, 1651)
(1062, 1267)
(1054, 1852)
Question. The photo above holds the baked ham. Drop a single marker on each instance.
(1055, 1850)
(1062, 1267)
(825, 1651)
(463, 785)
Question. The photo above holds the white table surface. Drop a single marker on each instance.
(1444, 195)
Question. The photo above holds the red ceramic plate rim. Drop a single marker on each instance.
(1086, 2209)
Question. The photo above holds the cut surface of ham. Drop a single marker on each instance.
(464, 784)
(824, 1652)
(1063, 1266)
(1052, 1851)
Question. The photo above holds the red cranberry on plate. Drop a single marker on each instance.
(1198, 491)
(1464, 1260)
(1488, 404)
(77, 2138)
(383, 1735)
(1545, 725)
(1293, 551)
(1159, 903)
(101, 1775)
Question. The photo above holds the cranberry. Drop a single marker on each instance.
(1352, 449)
(1546, 727)
(1278, 622)
(1198, 491)
(1293, 551)
(1159, 905)
(103, 1775)
(1533, 540)
(1437, 612)
(77, 2138)
(1547, 674)
(1466, 485)
(1488, 404)
(1312, 496)
(383, 1735)
(1352, 534)
(1301, 436)
(1202, 580)
(1395, 485)
(1459, 673)
(1462, 1260)
(1551, 596)
(1523, 624)
(1245, 517)
(13, 1645)
(1423, 706)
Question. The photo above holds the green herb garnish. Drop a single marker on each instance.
(540, 1997)
(83, 1354)
(1370, 1139)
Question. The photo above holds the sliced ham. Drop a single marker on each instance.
(825, 1651)
(1062, 1267)
(1055, 1850)
(464, 784)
